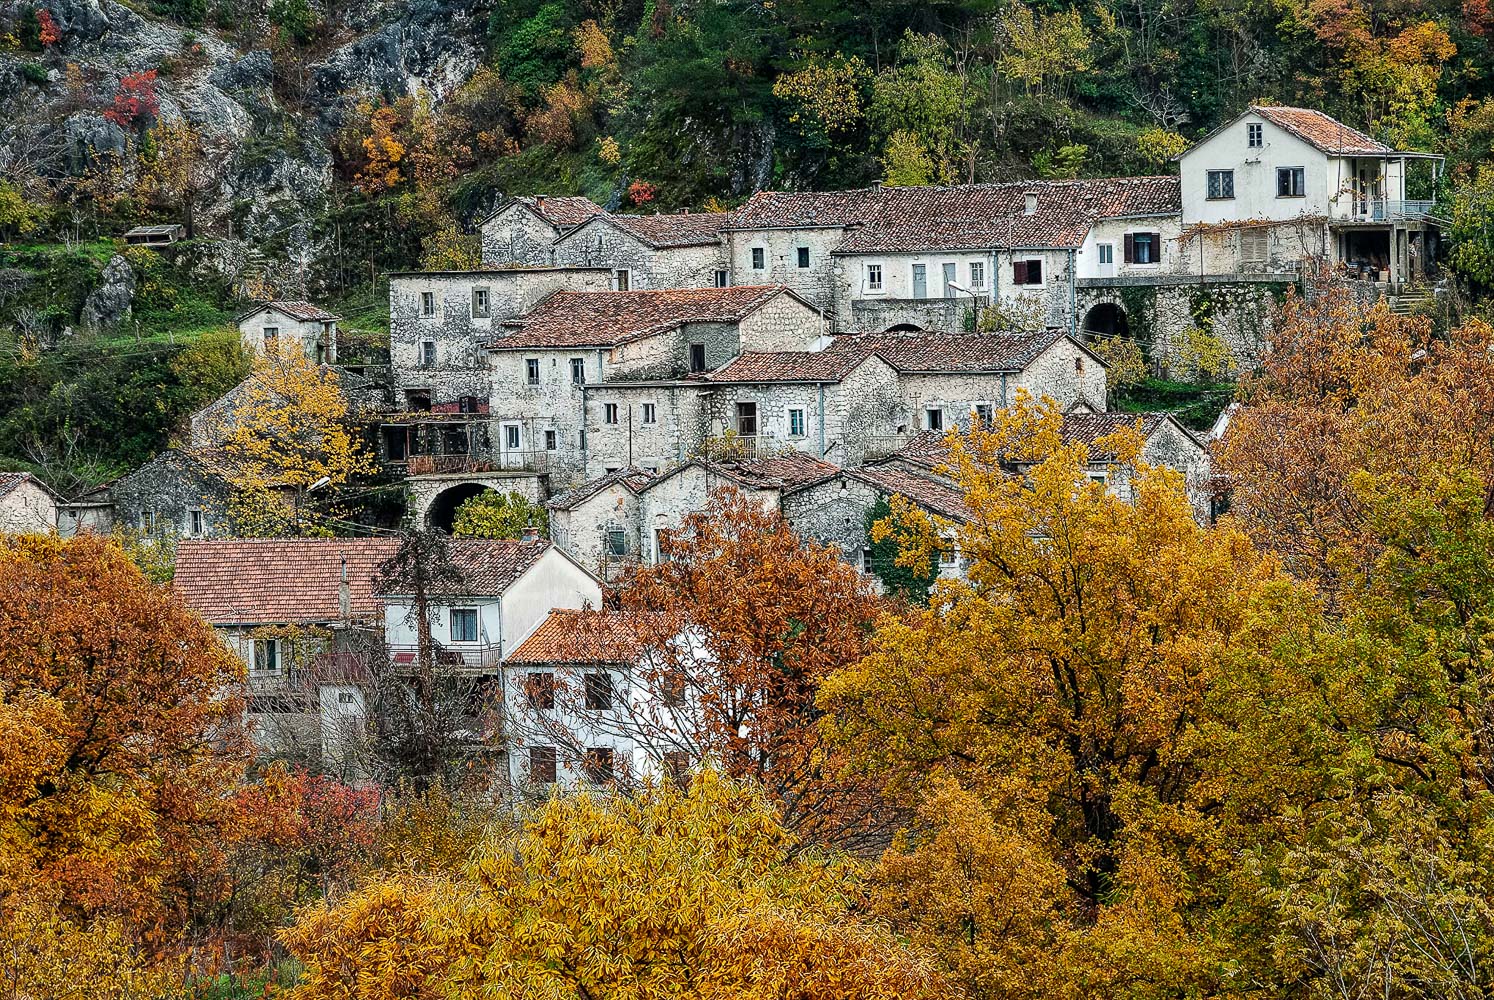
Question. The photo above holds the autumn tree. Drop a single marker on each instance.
(289, 445)
(670, 893)
(767, 617)
(181, 165)
(499, 515)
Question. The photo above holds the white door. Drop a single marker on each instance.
(512, 449)
(1105, 259)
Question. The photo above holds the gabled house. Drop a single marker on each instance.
(177, 494)
(597, 522)
(682, 250)
(1277, 184)
(522, 230)
(27, 505)
(285, 321)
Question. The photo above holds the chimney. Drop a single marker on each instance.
(875, 186)
(1030, 203)
(530, 534)
(344, 592)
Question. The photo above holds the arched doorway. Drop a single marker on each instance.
(442, 511)
(1104, 322)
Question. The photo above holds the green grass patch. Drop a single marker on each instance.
(1195, 406)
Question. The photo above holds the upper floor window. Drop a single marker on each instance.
(1143, 248)
(463, 624)
(427, 352)
(977, 274)
(723, 279)
(427, 303)
(540, 688)
(1221, 184)
(532, 371)
(1291, 182)
(267, 656)
(874, 277)
(796, 422)
(578, 371)
(697, 358)
(1027, 272)
(617, 542)
(272, 334)
(481, 304)
(194, 522)
(622, 280)
(649, 415)
(1254, 137)
(598, 688)
(759, 258)
(609, 412)
(934, 417)
(803, 256)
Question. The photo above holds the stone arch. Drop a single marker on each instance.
(904, 328)
(443, 506)
(1104, 321)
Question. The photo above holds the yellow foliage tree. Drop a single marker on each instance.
(289, 440)
(827, 93)
(668, 894)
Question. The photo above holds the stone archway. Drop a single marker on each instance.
(1105, 321)
(443, 507)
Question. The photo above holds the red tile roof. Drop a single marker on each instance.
(924, 352)
(296, 580)
(606, 319)
(929, 493)
(678, 230)
(790, 470)
(587, 636)
(1326, 133)
(562, 212)
(928, 449)
(11, 481)
(788, 366)
(632, 480)
(805, 209)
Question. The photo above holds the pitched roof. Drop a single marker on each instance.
(12, 481)
(1090, 427)
(606, 319)
(1322, 131)
(790, 470)
(907, 353)
(682, 229)
(805, 209)
(929, 493)
(562, 212)
(296, 580)
(995, 216)
(630, 479)
(295, 309)
(587, 636)
(928, 449)
(279, 580)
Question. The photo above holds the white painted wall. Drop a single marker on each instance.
(317, 339)
(554, 581)
(1255, 176)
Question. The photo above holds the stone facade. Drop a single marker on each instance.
(27, 505)
(818, 282)
(586, 530)
(312, 330)
(515, 235)
(653, 427)
(602, 243)
(174, 494)
(665, 504)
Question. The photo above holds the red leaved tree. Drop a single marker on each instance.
(136, 101)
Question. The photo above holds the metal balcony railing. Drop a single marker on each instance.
(1385, 210)
(474, 657)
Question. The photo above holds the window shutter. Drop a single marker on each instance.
(1130, 248)
(1019, 272)
(1156, 248)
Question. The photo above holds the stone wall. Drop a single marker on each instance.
(599, 243)
(515, 235)
(1067, 374)
(666, 503)
(784, 323)
(832, 513)
(170, 486)
(675, 433)
(819, 283)
(582, 532)
(941, 315)
(422, 492)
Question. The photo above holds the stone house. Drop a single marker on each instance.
(1167, 443)
(1276, 184)
(665, 502)
(597, 522)
(27, 505)
(177, 494)
(365, 396)
(683, 250)
(564, 375)
(286, 321)
(584, 705)
(522, 230)
(315, 629)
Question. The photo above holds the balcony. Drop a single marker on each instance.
(1385, 210)
(468, 658)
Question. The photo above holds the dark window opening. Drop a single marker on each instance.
(598, 691)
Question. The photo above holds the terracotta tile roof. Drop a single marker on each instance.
(1090, 427)
(1326, 133)
(804, 209)
(994, 216)
(279, 580)
(929, 493)
(632, 480)
(296, 580)
(928, 449)
(683, 229)
(606, 319)
(562, 212)
(926, 352)
(792, 469)
(12, 481)
(587, 636)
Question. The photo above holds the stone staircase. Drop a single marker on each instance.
(1408, 302)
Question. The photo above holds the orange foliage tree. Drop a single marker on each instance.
(771, 616)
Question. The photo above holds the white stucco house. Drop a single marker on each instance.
(286, 321)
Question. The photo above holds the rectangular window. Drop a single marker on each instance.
(395, 442)
(676, 766)
(617, 543)
(1221, 185)
(1143, 248)
(194, 522)
(1253, 136)
(272, 336)
(267, 656)
(796, 422)
(920, 281)
(481, 307)
(463, 624)
(747, 419)
(578, 371)
(148, 522)
(427, 303)
(542, 765)
(511, 437)
(1027, 272)
(597, 762)
(1255, 245)
(609, 412)
(934, 417)
(723, 279)
(697, 358)
(1105, 252)
(661, 545)
(984, 414)
(759, 258)
(549, 440)
(532, 371)
(802, 255)
(874, 277)
(621, 280)
(649, 414)
(948, 558)
(539, 687)
(950, 291)
(598, 690)
(1291, 182)
(977, 275)
(427, 352)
